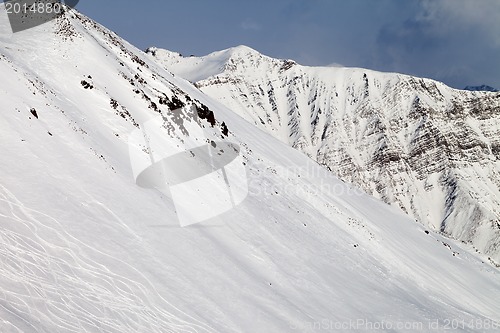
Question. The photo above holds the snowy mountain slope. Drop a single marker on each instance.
(85, 249)
(415, 143)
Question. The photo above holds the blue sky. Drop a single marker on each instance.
(454, 41)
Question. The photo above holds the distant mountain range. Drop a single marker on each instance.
(481, 88)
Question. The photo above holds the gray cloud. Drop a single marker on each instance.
(456, 41)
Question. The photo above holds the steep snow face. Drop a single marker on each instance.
(85, 249)
(414, 143)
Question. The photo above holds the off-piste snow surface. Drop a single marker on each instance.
(83, 248)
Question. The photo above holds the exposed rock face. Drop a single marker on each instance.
(415, 143)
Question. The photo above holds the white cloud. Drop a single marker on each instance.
(334, 64)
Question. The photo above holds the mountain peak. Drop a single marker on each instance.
(237, 59)
(242, 52)
(199, 68)
(242, 49)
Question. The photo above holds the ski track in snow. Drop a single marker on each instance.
(41, 264)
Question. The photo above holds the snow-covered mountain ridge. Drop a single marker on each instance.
(415, 143)
(85, 249)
